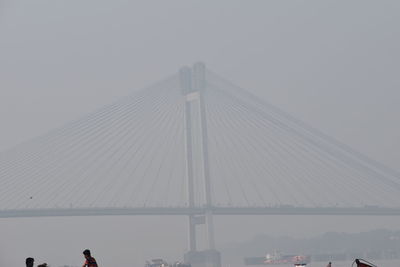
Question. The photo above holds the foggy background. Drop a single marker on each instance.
(333, 64)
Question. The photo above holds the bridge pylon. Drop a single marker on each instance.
(193, 84)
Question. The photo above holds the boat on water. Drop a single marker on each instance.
(363, 263)
(163, 263)
(156, 263)
(278, 258)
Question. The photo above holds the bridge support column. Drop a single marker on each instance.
(204, 258)
(199, 85)
(186, 88)
(193, 84)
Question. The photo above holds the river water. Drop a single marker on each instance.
(379, 263)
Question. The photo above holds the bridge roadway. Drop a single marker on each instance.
(372, 211)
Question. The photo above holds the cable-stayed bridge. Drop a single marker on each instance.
(193, 144)
(133, 154)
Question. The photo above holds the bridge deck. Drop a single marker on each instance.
(373, 211)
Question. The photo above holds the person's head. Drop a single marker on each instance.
(29, 262)
(86, 253)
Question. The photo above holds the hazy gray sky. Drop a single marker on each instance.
(333, 64)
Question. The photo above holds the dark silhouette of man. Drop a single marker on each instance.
(90, 261)
(29, 262)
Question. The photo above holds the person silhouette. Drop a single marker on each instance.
(29, 262)
(90, 261)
